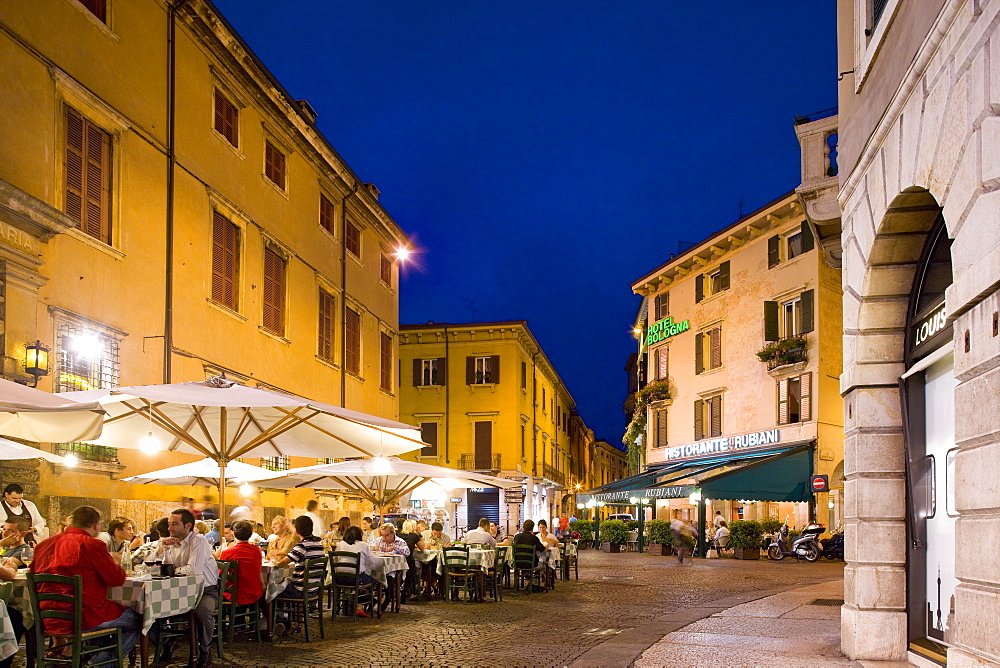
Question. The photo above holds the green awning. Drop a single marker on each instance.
(780, 477)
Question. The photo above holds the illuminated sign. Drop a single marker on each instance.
(664, 329)
(725, 444)
(926, 328)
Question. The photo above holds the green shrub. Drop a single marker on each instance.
(745, 534)
(614, 531)
(659, 532)
(631, 525)
(770, 525)
(583, 527)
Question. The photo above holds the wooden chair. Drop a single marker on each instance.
(313, 579)
(79, 647)
(526, 567)
(458, 575)
(493, 575)
(347, 566)
(230, 616)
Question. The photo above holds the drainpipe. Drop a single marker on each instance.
(534, 426)
(447, 399)
(168, 292)
(343, 296)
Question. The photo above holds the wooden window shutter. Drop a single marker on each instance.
(699, 287)
(352, 238)
(385, 362)
(662, 305)
(661, 362)
(325, 342)
(274, 164)
(226, 118)
(808, 311)
(326, 214)
(661, 428)
(418, 375)
(495, 369)
(470, 370)
(524, 375)
(808, 242)
(429, 435)
(715, 340)
(442, 378)
(385, 269)
(805, 403)
(88, 176)
(484, 445)
(783, 401)
(715, 408)
(274, 292)
(724, 275)
(643, 374)
(98, 8)
(225, 256)
(773, 250)
(352, 327)
(771, 331)
(699, 352)
(699, 419)
(74, 165)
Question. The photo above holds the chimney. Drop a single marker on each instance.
(370, 187)
(307, 109)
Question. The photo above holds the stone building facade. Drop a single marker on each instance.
(919, 136)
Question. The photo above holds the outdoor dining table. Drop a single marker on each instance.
(274, 579)
(386, 565)
(8, 641)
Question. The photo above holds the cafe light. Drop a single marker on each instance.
(70, 460)
(246, 489)
(88, 346)
(36, 360)
(580, 506)
(381, 466)
(633, 500)
(695, 498)
(829, 504)
(150, 444)
(600, 504)
(403, 253)
(645, 500)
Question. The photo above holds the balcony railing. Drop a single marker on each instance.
(101, 454)
(472, 462)
(551, 473)
(791, 350)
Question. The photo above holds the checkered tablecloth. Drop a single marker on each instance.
(155, 599)
(19, 599)
(426, 556)
(275, 579)
(550, 557)
(8, 641)
(483, 559)
(387, 565)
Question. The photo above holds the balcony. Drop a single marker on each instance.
(471, 462)
(783, 352)
(100, 458)
(550, 472)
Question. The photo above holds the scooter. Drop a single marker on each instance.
(806, 546)
(833, 547)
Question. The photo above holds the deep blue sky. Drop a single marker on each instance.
(545, 154)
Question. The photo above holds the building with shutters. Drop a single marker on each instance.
(168, 211)
(488, 399)
(739, 357)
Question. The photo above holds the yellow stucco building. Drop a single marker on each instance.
(168, 211)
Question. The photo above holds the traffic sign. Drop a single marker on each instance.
(820, 483)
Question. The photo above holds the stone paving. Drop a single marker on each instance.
(621, 605)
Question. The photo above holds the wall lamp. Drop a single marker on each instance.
(36, 360)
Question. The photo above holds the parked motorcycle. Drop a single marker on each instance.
(806, 545)
(833, 547)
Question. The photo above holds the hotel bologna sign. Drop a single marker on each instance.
(664, 329)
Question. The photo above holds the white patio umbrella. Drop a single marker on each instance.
(12, 450)
(202, 472)
(36, 415)
(382, 480)
(222, 420)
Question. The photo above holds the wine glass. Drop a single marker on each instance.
(27, 556)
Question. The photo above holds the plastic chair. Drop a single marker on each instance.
(79, 647)
(313, 578)
(347, 566)
(458, 575)
(230, 616)
(526, 566)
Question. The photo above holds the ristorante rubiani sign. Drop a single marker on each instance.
(726, 444)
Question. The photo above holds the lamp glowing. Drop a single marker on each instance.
(381, 466)
(600, 504)
(402, 253)
(70, 460)
(633, 500)
(150, 444)
(36, 360)
(87, 346)
(580, 506)
(246, 489)
(695, 498)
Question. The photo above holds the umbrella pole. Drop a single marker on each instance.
(222, 491)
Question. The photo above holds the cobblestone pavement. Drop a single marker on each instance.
(627, 594)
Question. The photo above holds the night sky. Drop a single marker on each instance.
(543, 155)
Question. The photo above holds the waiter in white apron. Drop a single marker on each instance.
(14, 504)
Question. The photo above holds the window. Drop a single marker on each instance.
(225, 261)
(427, 372)
(661, 356)
(708, 417)
(326, 338)
(274, 292)
(482, 370)
(781, 248)
(352, 238)
(88, 176)
(277, 463)
(226, 119)
(792, 317)
(661, 305)
(352, 328)
(86, 358)
(326, 214)
(795, 399)
(708, 350)
(711, 282)
(429, 435)
(660, 428)
(524, 375)
(274, 164)
(98, 8)
(544, 402)
(385, 270)
(385, 362)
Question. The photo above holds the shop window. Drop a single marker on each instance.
(226, 119)
(326, 337)
(792, 317)
(86, 358)
(88, 176)
(784, 247)
(708, 350)
(708, 417)
(711, 282)
(225, 261)
(429, 435)
(795, 399)
(482, 370)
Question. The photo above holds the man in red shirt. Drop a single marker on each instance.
(249, 588)
(77, 551)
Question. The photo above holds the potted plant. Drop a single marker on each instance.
(586, 530)
(661, 538)
(614, 534)
(744, 538)
(785, 351)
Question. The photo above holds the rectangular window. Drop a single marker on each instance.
(544, 402)
(225, 261)
(524, 375)
(484, 446)
(226, 118)
(326, 339)
(88, 176)
(326, 214)
(482, 370)
(711, 282)
(793, 317)
(85, 359)
(429, 435)
(661, 355)
(274, 164)
(98, 8)
(428, 372)
(385, 270)
(795, 399)
(352, 238)
(277, 463)
(274, 292)
(662, 305)
(708, 417)
(660, 428)
(353, 334)
(781, 248)
(385, 362)
(708, 350)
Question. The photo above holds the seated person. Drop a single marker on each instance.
(547, 539)
(415, 542)
(526, 537)
(15, 530)
(388, 543)
(495, 532)
(435, 538)
(215, 535)
(282, 540)
(722, 531)
(353, 542)
(249, 588)
(368, 531)
(8, 570)
(121, 532)
(307, 546)
(153, 550)
(481, 534)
